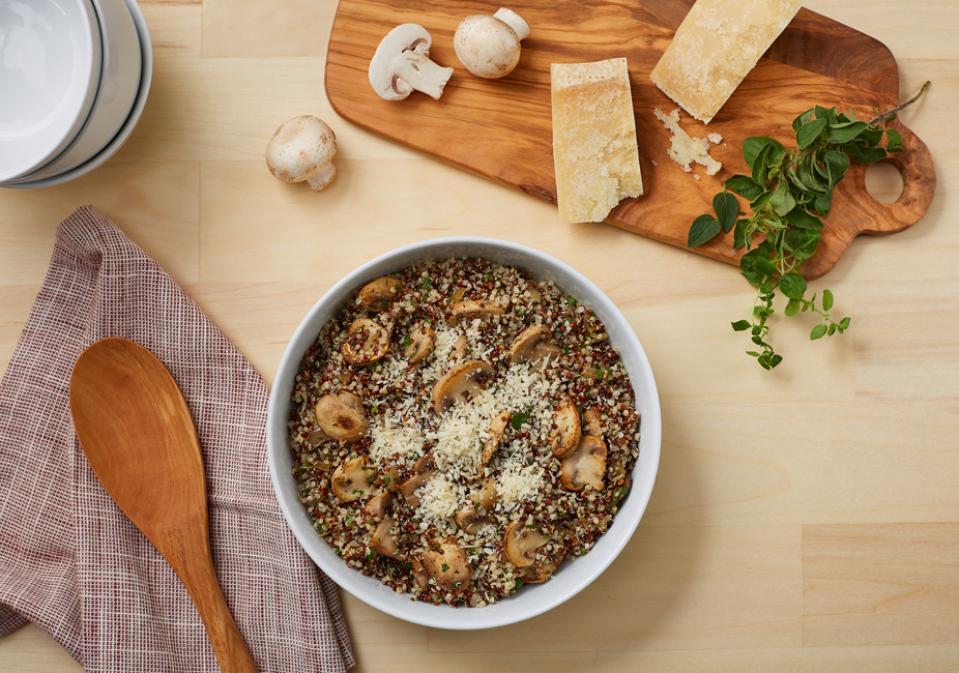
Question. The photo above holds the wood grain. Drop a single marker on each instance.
(501, 129)
(137, 433)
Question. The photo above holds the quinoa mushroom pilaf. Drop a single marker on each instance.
(460, 429)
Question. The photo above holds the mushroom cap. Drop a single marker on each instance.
(486, 46)
(339, 417)
(471, 309)
(366, 342)
(380, 293)
(407, 36)
(300, 148)
(459, 383)
(446, 563)
(422, 338)
(353, 479)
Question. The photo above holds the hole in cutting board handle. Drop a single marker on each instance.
(884, 182)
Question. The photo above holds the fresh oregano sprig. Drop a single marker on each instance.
(790, 190)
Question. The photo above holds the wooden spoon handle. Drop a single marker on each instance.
(198, 576)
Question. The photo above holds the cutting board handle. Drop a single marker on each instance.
(918, 173)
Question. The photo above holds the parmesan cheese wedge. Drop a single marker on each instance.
(594, 139)
(716, 46)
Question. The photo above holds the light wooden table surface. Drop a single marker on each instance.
(806, 519)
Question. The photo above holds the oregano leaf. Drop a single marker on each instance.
(704, 228)
(727, 210)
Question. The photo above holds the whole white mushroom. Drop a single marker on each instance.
(489, 46)
(302, 149)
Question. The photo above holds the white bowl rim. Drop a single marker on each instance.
(373, 592)
(146, 78)
(70, 114)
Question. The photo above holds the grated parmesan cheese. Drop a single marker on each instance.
(390, 438)
(439, 499)
(685, 149)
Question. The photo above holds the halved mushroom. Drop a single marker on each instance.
(593, 418)
(341, 416)
(379, 506)
(446, 563)
(520, 543)
(461, 383)
(472, 519)
(419, 573)
(382, 541)
(496, 430)
(566, 432)
(586, 465)
(366, 342)
(380, 293)
(471, 309)
(535, 343)
(421, 339)
(353, 479)
(538, 574)
(401, 64)
(424, 470)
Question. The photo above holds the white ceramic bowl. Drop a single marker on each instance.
(146, 77)
(50, 64)
(119, 84)
(573, 576)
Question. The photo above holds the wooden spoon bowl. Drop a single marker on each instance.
(137, 433)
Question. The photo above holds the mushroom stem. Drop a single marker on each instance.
(421, 73)
(514, 21)
(322, 179)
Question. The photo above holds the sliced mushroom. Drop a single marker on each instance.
(521, 542)
(487, 496)
(446, 563)
(566, 432)
(593, 418)
(586, 465)
(535, 343)
(366, 342)
(419, 573)
(471, 309)
(461, 383)
(421, 342)
(341, 416)
(380, 293)
(424, 470)
(378, 506)
(496, 431)
(538, 574)
(353, 479)
(472, 519)
(317, 437)
(595, 373)
(391, 480)
(383, 542)
(401, 64)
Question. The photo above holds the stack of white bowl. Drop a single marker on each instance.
(74, 77)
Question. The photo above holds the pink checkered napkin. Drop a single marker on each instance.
(70, 561)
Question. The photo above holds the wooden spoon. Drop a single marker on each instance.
(137, 433)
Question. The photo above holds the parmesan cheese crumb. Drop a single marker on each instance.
(685, 149)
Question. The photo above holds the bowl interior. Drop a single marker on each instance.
(572, 576)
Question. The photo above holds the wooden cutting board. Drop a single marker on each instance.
(501, 129)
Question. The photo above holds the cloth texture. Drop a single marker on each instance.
(70, 561)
